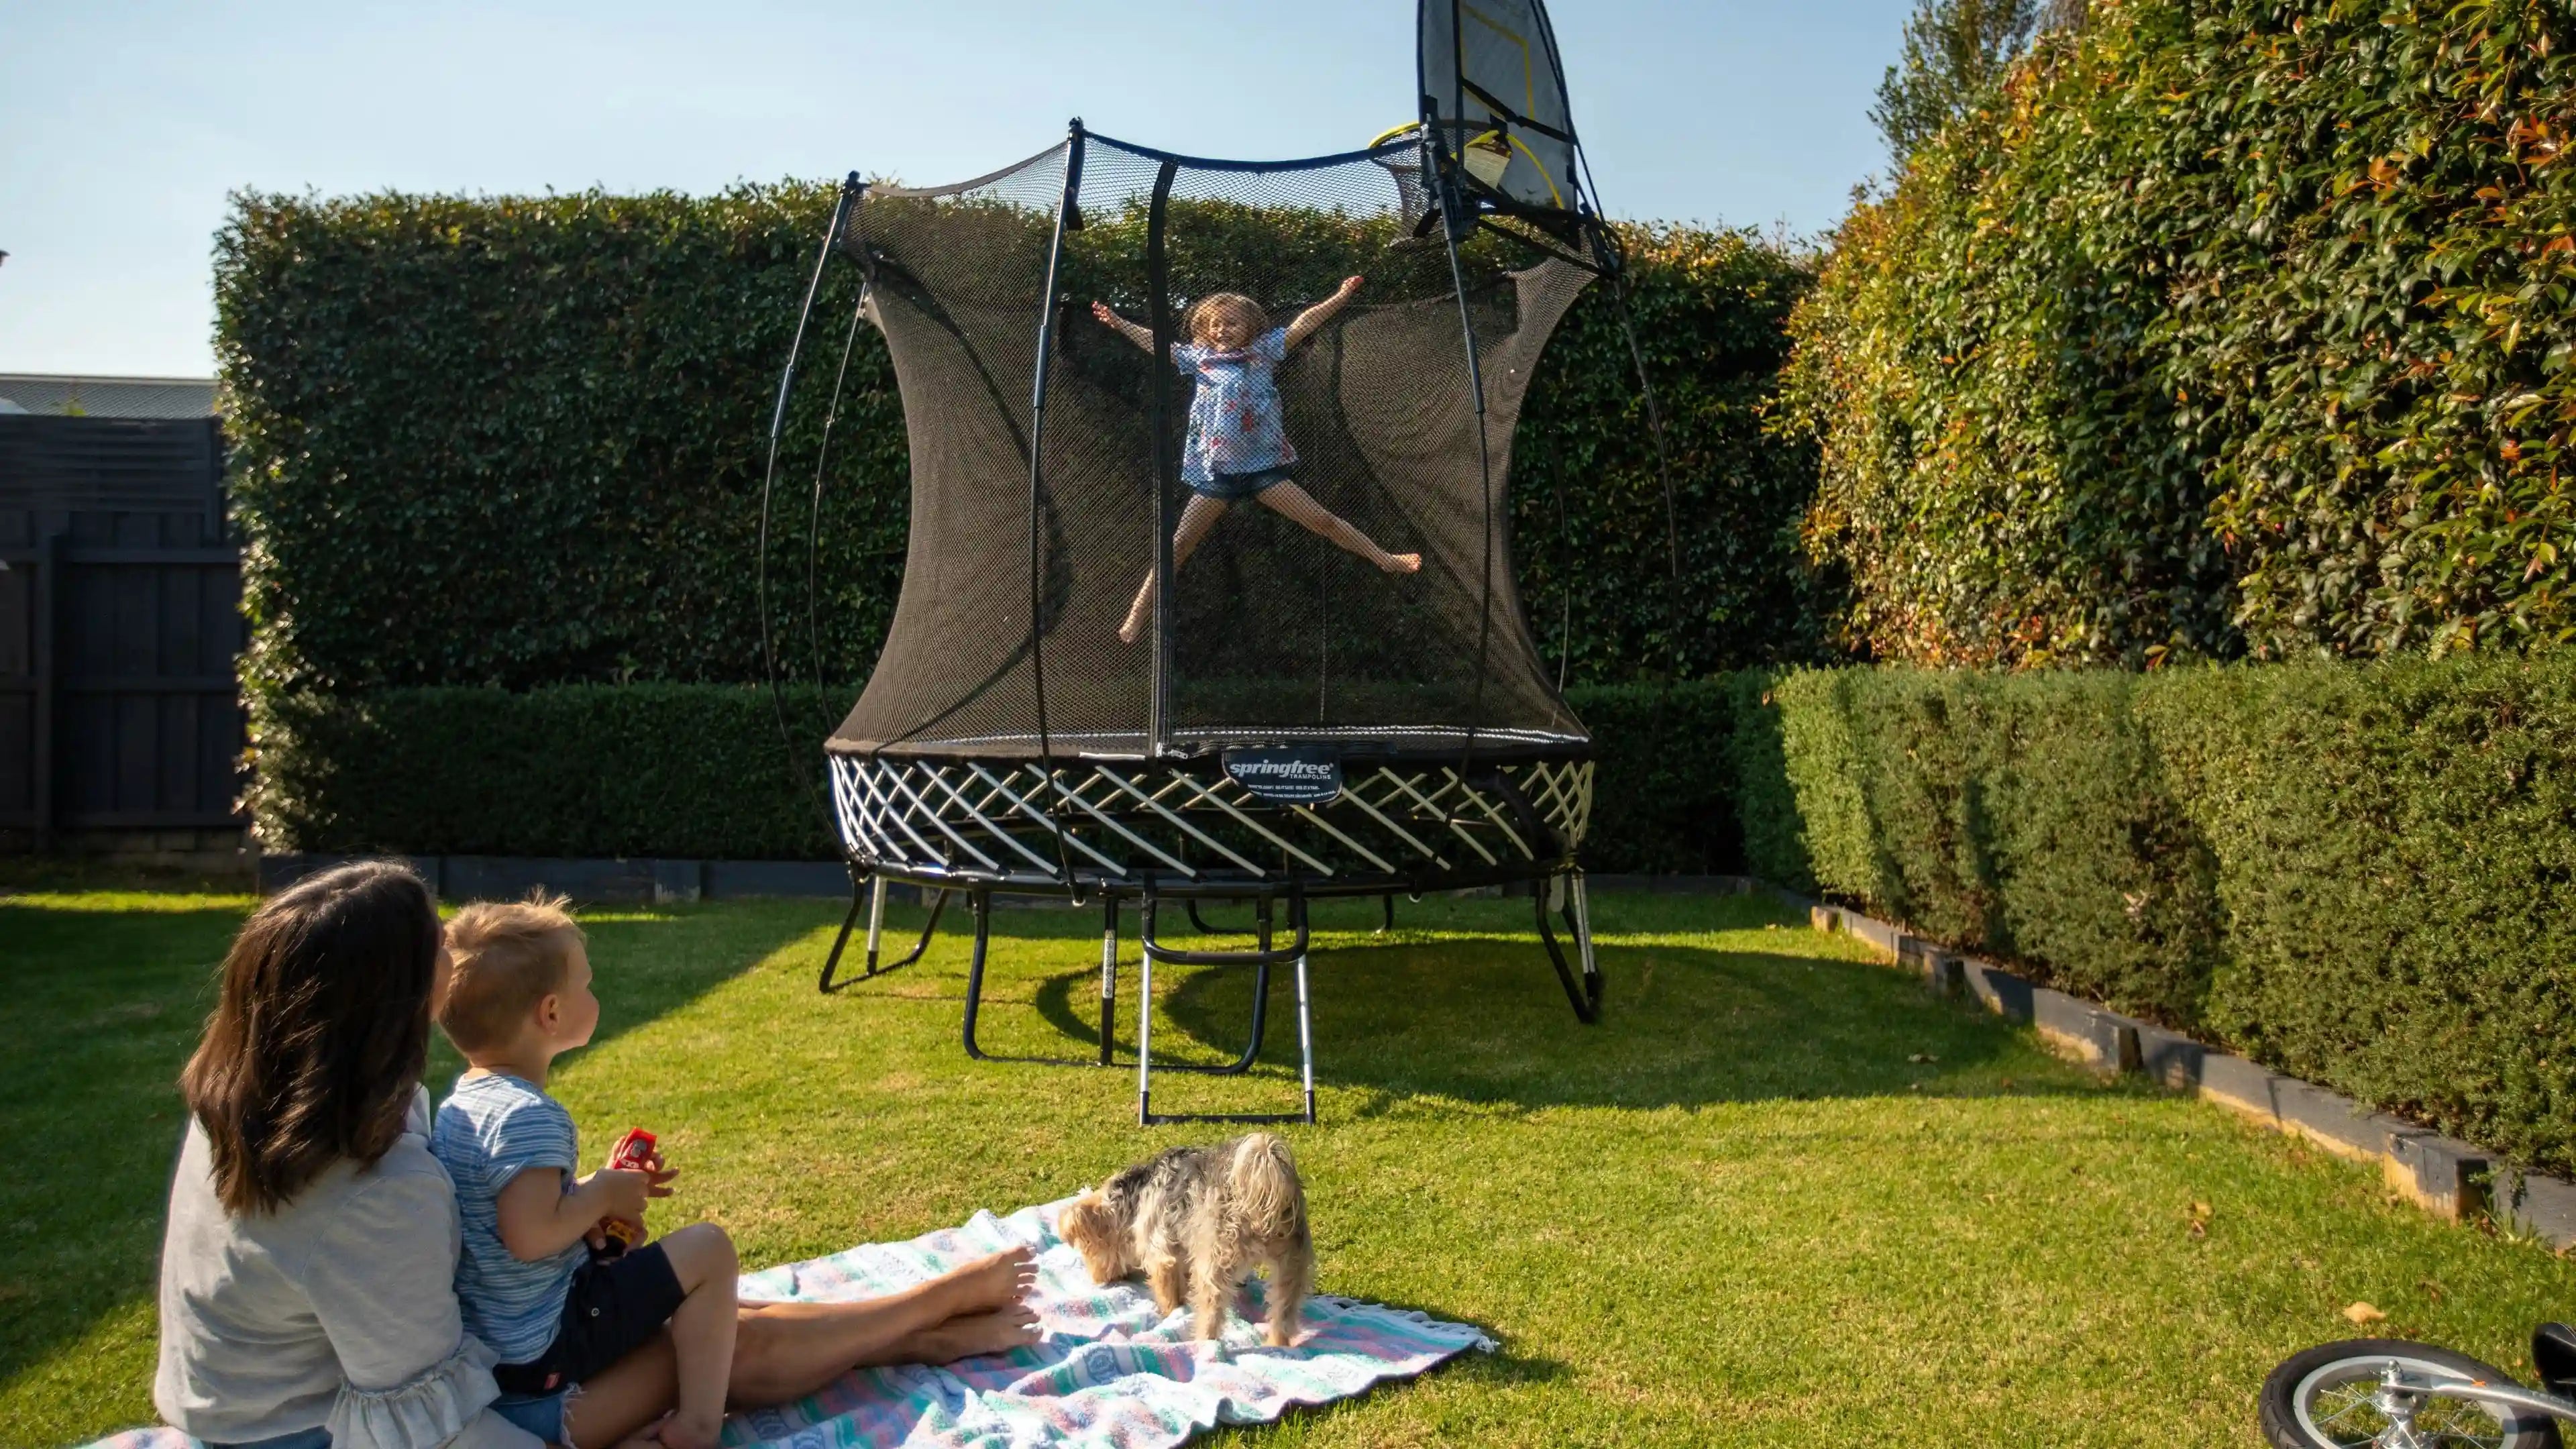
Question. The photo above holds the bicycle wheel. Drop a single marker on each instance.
(2329, 1398)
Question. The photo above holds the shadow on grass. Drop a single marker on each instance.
(1460, 1006)
(103, 1006)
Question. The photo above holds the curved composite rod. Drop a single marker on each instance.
(1037, 498)
(1158, 283)
(851, 189)
(1452, 227)
(1615, 266)
(814, 509)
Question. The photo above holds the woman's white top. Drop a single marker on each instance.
(338, 1310)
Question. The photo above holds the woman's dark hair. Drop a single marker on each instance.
(320, 1035)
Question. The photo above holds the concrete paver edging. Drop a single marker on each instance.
(2447, 1177)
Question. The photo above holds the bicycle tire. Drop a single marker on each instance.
(2309, 1374)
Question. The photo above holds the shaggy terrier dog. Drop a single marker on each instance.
(1199, 1221)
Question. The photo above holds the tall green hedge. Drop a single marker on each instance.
(532, 430)
(2229, 326)
(2364, 875)
(682, 770)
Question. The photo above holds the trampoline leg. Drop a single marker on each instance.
(1305, 1041)
(938, 906)
(841, 942)
(1108, 972)
(1581, 900)
(1587, 1005)
(1388, 901)
(1145, 1030)
(876, 921)
(981, 903)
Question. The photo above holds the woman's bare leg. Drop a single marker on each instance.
(1197, 517)
(1299, 507)
(784, 1351)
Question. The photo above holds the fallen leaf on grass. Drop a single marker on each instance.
(1923, 1057)
(2362, 1314)
(2198, 1226)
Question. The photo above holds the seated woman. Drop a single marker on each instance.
(308, 1272)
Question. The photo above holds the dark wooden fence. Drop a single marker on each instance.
(119, 621)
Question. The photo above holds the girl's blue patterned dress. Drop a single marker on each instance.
(1235, 422)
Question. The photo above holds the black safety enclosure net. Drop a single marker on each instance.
(1048, 486)
(1208, 591)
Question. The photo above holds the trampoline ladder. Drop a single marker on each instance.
(1261, 959)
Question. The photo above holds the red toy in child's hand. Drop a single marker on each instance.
(634, 1152)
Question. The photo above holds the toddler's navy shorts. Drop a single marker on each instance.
(613, 1307)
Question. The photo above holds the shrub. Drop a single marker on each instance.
(2230, 327)
(2363, 875)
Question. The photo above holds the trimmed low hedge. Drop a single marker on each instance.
(684, 771)
(2361, 875)
(701, 771)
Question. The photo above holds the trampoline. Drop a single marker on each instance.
(1123, 672)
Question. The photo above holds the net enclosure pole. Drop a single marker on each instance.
(1158, 281)
(1037, 490)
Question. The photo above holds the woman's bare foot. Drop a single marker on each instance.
(1401, 563)
(1002, 1280)
(970, 1334)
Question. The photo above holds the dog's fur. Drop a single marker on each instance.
(1199, 1221)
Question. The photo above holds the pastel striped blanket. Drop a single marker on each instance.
(1111, 1374)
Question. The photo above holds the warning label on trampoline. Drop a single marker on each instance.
(1291, 774)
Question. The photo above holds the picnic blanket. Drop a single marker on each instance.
(1111, 1373)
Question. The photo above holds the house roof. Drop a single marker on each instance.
(107, 397)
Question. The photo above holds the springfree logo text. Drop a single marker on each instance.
(1294, 774)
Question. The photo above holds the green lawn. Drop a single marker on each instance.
(1777, 1196)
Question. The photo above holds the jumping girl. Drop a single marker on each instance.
(1238, 444)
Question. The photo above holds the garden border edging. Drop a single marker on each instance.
(2452, 1179)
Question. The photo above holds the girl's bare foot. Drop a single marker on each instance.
(970, 1334)
(1402, 563)
(1134, 626)
(1000, 1281)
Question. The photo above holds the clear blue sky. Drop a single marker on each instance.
(124, 125)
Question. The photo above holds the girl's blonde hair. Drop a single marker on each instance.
(1206, 309)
